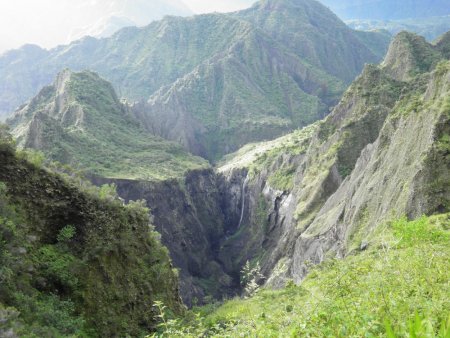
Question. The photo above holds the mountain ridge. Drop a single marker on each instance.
(80, 121)
(139, 62)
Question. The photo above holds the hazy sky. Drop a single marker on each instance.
(51, 22)
(205, 6)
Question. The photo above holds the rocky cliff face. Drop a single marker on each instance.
(320, 192)
(188, 213)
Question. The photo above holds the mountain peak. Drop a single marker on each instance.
(408, 55)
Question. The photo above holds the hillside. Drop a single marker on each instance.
(234, 60)
(320, 192)
(374, 293)
(74, 261)
(341, 222)
(387, 9)
(79, 121)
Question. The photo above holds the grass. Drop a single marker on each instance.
(397, 286)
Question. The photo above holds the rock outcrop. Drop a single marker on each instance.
(381, 154)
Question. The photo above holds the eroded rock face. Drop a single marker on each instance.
(188, 215)
(380, 155)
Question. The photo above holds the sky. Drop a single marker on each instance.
(206, 6)
(49, 23)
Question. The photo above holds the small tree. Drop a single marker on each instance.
(251, 279)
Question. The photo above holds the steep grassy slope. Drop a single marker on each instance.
(74, 261)
(80, 121)
(374, 293)
(320, 192)
(386, 9)
(212, 72)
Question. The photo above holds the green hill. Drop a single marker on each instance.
(80, 121)
(74, 261)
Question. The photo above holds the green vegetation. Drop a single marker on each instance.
(283, 179)
(395, 287)
(74, 261)
(211, 82)
(93, 131)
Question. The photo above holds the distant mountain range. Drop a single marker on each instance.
(430, 28)
(33, 22)
(388, 9)
(218, 81)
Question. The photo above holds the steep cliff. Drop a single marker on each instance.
(320, 192)
(74, 260)
(188, 213)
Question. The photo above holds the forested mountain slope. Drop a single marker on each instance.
(213, 72)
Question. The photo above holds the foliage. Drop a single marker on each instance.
(75, 280)
(398, 287)
(35, 157)
(66, 234)
(101, 137)
(251, 278)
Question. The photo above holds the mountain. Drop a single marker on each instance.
(430, 27)
(387, 9)
(322, 192)
(78, 120)
(75, 261)
(235, 61)
(346, 217)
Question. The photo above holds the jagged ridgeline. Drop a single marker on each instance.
(73, 259)
(323, 191)
(214, 82)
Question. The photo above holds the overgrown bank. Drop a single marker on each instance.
(74, 261)
(396, 285)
